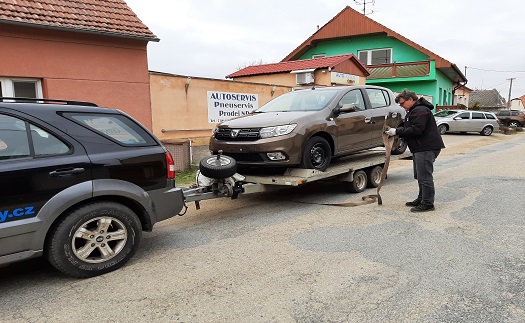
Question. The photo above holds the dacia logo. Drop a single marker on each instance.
(235, 133)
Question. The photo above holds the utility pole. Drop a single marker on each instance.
(364, 3)
(510, 90)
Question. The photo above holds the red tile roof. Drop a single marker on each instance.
(95, 16)
(314, 63)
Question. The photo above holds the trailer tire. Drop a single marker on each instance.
(358, 184)
(374, 176)
(218, 168)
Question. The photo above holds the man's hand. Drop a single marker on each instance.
(391, 132)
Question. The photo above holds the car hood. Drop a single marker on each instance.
(268, 119)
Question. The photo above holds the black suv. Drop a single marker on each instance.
(79, 184)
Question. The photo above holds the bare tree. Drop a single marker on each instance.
(251, 63)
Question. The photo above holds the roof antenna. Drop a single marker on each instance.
(364, 3)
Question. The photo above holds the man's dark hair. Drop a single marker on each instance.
(405, 95)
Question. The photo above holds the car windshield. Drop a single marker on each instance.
(311, 100)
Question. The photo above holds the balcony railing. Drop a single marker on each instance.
(387, 71)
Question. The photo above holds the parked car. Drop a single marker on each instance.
(306, 128)
(511, 118)
(79, 185)
(467, 121)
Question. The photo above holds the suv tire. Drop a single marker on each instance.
(76, 245)
(316, 154)
(218, 167)
(514, 124)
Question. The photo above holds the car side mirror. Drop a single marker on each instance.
(458, 118)
(346, 108)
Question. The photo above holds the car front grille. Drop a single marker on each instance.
(244, 134)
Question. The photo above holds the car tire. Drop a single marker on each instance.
(94, 239)
(443, 128)
(514, 124)
(358, 184)
(317, 154)
(373, 175)
(218, 167)
(399, 146)
(486, 131)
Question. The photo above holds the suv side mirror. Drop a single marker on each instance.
(346, 108)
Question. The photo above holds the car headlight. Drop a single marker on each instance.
(277, 131)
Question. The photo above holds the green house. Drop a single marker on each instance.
(394, 61)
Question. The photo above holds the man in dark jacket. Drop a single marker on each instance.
(424, 141)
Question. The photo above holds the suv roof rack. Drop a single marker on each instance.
(45, 100)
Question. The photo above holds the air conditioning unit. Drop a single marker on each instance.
(304, 78)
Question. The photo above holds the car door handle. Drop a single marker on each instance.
(66, 172)
(368, 120)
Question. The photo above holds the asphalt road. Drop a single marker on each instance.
(269, 258)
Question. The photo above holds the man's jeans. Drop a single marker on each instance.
(423, 168)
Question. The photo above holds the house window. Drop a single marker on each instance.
(22, 88)
(375, 56)
(318, 55)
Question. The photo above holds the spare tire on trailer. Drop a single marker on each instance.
(218, 166)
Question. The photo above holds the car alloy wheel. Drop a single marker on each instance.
(218, 166)
(99, 239)
(94, 239)
(443, 129)
(487, 131)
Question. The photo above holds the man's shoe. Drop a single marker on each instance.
(423, 208)
(415, 202)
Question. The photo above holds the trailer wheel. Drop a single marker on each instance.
(358, 184)
(218, 167)
(374, 176)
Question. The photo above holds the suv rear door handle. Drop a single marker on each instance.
(368, 120)
(66, 172)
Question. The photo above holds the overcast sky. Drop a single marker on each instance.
(213, 38)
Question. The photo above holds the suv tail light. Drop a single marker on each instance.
(170, 163)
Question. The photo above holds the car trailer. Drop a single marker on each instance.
(217, 176)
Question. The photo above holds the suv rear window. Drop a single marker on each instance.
(116, 127)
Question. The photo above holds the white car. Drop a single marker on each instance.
(485, 123)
